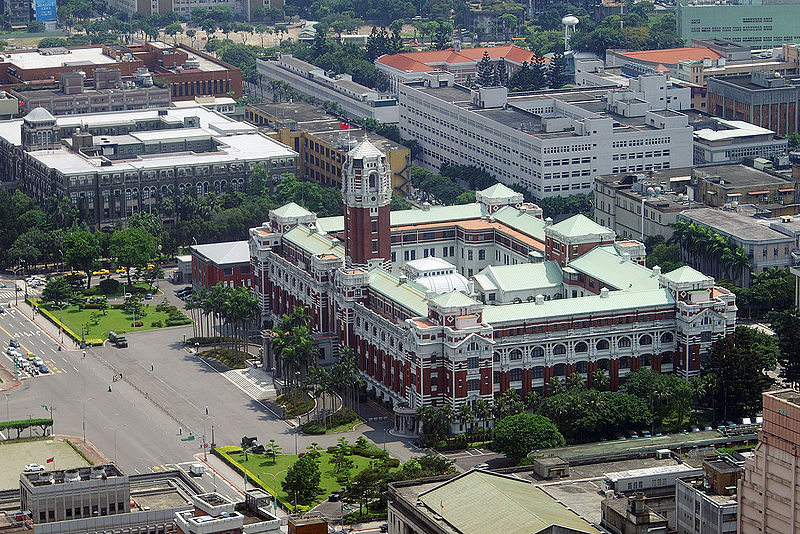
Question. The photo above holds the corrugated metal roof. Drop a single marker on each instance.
(315, 243)
(409, 294)
(522, 222)
(615, 301)
(478, 502)
(454, 299)
(686, 274)
(523, 276)
(604, 264)
(291, 210)
(578, 225)
(227, 253)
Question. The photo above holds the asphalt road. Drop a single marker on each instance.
(160, 400)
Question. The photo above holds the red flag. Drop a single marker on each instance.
(344, 126)
(53, 459)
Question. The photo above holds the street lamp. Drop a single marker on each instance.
(8, 417)
(115, 439)
(50, 409)
(84, 418)
(274, 488)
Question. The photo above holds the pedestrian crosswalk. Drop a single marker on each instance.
(6, 294)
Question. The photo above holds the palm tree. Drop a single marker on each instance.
(575, 380)
(600, 380)
(429, 417)
(555, 386)
(466, 415)
(738, 262)
(483, 411)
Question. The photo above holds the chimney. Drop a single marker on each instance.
(548, 221)
(539, 299)
(657, 270)
(604, 293)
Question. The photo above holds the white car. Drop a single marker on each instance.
(32, 468)
(38, 362)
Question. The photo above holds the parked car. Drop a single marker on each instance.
(38, 362)
(32, 468)
(336, 495)
(112, 336)
(44, 369)
(121, 342)
(101, 272)
(127, 296)
(148, 296)
(14, 343)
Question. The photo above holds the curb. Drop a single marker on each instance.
(18, 380)
(199, 458)
(40, 327)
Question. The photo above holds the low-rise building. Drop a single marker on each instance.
(115, 164)
(645, 205)
(729, 141)
(721, 186)
(765, 99)
(355, 100)
(631, 515)
(108, 93)
(221, 263)
(101, 498)
(476, 502)
(769, 495)
(707, 505)
(657, 61)
(462, 63)
(225, 105)
(216, 514)
(322, 141)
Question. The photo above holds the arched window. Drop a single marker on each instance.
(560, 369)
(515, 375)
(582, 367)
(373, 181)
(581, 347)
(624, 342)
(559, 349)
(602, 344)
(496, 357)
(666, 337)
(537, 352)
(515, 354)
(625, 362)
(646, 339)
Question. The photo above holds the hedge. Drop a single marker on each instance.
(209, 340)
(92, 342)
(25, 423)
(222, 453)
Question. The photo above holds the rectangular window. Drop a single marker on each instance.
(482, 254)
(374, 227)
(228, 271)
(473, 362)
(474, 385)
(374, 245)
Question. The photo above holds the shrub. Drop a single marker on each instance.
(88, 292)
(178, 322)
(137, 323)
(209, 340)
(313, 428)
(332, 449)
(157, 324)
(109, 286)
(391, 463)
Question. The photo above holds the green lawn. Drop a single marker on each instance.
(114, 319)
(259, 465)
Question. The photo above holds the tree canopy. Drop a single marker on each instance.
(518, 435)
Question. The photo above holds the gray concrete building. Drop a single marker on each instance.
(707, 505)
(731, 141)
(356, 100)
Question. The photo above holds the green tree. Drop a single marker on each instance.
(302, 479)
(35, 26)
(174, 30)
(57, 290)
(133, 247)
(786, 325)
(341, 461)
(273, 449)
(81, 252)
(557, 77)
(485, 71)
(517, 435)
(740, 362)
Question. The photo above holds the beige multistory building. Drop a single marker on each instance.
(769, 493)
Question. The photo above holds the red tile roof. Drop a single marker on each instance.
(434, 59)
(671, 56)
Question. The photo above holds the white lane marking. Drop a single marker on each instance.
(76, 369)
(54, 350)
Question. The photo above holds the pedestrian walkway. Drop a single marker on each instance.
(253, 381)
(45, 326)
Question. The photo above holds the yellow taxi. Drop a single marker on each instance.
(101, 272)
(122, 270)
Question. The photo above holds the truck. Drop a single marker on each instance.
(197, 470)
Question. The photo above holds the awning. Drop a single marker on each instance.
(788, 190)
(765, 192)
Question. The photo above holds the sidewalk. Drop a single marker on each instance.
(87, 449)
(46, 326)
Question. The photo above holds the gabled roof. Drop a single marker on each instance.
(498, 190)
(291, 210)
(607, 266)
(686, 274)
(525, 276)
(409, 294)
(478, 501)
(521, 222)
(578, 225)
(454, 299)
(227, 253)
(313, 243)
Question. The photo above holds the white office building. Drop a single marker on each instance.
(552, 143)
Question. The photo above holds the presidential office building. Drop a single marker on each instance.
(445, 305)
(114, 164)
(552, 143)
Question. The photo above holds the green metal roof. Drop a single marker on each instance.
(291, 210)
(498, 190)
(604, 264)
(410, 295)
(523, 276)
(314, 243)
(522, 222)
(481, 502)
(578, 225)
(331, 224)
(615, 301)
(454, 299)
(686, 274)
(437, 214)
